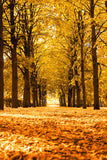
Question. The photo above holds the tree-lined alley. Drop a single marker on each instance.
(53, 47)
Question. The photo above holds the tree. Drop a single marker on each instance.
(94, 57)
(1, 58)
(81, 36)
(14, 41)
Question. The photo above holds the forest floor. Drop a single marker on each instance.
(53, 133)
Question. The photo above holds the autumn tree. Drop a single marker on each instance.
(96, 31)
(1, 58)
(81, 36)
(11, 39)
(14, 41)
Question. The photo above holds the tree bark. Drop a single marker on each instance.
(44, 93)
(36, 92)
(14, 57)
(94, 59)
(69, 96)
(34, 86)
(14, 79)
(82, 76)
(64, 99)
(40, 97)
(1, 58)
(61, 100)
(74, 96)
(26, 98)
(70, 76)
(34, 96)
(27, 32)
(77, 88)
(78, 95)
(81, 35)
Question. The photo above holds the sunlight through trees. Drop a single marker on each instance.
(53, 46)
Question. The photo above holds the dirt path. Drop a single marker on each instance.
(53, 133)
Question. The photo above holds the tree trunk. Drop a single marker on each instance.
(77, 88)
(94, 59)
(27, 32)
(61, 100)
(14, 57)
(70, 76)
(26, 98)
(44, 93)
(81, 34)
(40, 97)
(14, 79)
(78, 94)
(1, 58)
(69, 96)
(34, 87)
(82, 77)
(36, 91)
(34, 97)
(64, 99)
(74, 96)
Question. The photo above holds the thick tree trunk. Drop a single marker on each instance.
(69, 97)
(77, 88)
(1, 58)
(94, 59)
(14, 57)
(64, 99)
(28, 51)
(74, 96)
(34, 87)
(61, 100)
(26, 98)
(40, 97)
(34, 97)
(78, 94)
(14, 79)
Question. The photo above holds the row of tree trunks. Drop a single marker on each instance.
(74, 100)
(1, 57)
(62, 99)
(73, 90)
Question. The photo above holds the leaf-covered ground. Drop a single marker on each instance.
(53, 133)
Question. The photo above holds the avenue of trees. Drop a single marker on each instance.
(53, 47)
